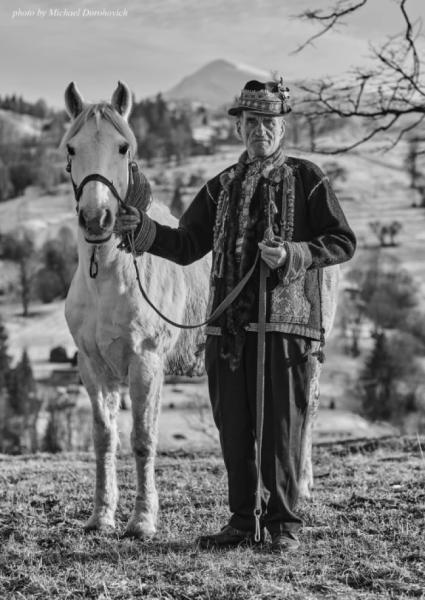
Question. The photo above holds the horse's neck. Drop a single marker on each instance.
(105, 260)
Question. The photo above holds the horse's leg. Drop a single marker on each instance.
(305, 484)
(105, 405)
(145, 381)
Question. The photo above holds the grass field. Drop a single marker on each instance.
(363, 533)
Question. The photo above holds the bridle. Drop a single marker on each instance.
(78, 190)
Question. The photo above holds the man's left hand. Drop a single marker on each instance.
(274, 255)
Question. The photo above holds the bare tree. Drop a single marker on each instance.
(19, 247)
(390, 97)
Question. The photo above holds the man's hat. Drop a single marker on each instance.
(270, 98)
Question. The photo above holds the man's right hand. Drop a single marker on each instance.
(128, 221)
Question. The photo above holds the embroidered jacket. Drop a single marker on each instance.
(310, 221)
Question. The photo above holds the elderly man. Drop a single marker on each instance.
(285, 207)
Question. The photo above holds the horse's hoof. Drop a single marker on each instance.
(304, 493)
(142, 530)
(99, 523)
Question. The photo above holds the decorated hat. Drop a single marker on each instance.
(269, 98)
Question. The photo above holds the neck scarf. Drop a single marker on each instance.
(248, 186)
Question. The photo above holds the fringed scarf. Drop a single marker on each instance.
(247, 185)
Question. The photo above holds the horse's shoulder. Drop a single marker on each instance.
(161, 213)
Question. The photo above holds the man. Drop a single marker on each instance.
(284, 207)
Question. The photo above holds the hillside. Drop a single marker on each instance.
(42, 214)
(362, 536)
(376, 187)
(15, 126)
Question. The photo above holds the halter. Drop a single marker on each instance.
(78, 189)
(136, 195)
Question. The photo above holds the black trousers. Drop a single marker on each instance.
(233, 401)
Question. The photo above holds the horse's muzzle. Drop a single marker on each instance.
(97, 226)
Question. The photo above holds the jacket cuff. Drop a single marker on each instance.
(298, 260)
(145, 234)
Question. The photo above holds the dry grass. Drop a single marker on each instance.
(362, 534)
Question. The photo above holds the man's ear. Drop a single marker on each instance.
(238, 129)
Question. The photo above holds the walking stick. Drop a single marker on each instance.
(261, 349)
(269, 238)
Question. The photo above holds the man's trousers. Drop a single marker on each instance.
(233, 399)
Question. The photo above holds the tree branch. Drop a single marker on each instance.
(404, 131)
(389, 91)
(331, 20)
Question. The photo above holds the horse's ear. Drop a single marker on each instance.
(74, 102)
(121, 100)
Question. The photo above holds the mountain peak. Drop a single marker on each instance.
(216, 83)
(219, 62)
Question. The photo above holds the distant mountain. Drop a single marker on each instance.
(216, 84)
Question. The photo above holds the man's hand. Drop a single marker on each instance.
(128, 221)
(273, 255)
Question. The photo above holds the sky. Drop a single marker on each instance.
(155, 43)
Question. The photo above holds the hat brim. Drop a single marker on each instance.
(235, 111)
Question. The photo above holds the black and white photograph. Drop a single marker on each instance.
(212, 299)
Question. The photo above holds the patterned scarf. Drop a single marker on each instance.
(242, 218)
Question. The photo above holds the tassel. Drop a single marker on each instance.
(320, 356)
(320, 353)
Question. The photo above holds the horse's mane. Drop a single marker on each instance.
(101, 110)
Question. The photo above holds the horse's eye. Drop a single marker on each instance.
(71, 150)
(124, 148)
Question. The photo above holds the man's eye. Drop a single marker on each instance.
(123, 148)
(71, 150)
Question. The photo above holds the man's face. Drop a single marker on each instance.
(261, 134)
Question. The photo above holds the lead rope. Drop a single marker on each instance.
(261, 352)
(214, 315)
(261, 356)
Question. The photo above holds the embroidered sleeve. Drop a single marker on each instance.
(297, 261)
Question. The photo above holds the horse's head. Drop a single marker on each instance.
(100, 145)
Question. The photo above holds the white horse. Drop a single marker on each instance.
(119, 338)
